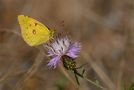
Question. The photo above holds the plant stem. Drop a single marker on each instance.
(92, 82)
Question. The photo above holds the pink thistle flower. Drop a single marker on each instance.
(59, 47)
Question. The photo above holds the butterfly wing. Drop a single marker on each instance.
(33, 32)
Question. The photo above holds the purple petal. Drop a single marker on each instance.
(50, 53)
(74, 50)
(54, 62)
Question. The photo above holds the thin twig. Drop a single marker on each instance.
(92, 82)
(100, 72)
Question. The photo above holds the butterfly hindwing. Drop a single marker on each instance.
(33, 32)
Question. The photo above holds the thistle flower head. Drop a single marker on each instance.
(60, 46)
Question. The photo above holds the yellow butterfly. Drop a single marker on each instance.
(33, 32)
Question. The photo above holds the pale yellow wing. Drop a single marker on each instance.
(33, 32)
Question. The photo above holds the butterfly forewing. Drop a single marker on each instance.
(33, 32)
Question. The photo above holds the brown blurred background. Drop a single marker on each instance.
(104, 27)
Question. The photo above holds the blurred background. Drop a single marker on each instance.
(104, 27)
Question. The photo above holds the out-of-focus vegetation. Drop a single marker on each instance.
(104, 27)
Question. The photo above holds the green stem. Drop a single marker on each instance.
(92, 82)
